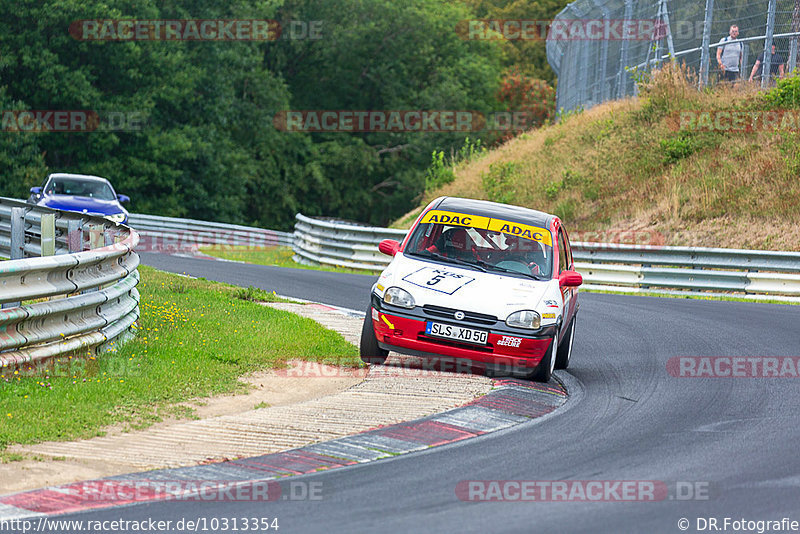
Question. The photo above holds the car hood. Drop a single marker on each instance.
(82, 204)
(471, 290)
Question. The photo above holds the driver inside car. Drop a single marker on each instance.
(455, 243)
(525, 251)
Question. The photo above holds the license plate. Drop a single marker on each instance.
(457, 333)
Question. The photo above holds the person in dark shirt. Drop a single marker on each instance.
(775, 67)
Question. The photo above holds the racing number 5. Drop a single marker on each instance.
(435, 280)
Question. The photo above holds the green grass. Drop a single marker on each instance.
(195, 339)
(275, 256)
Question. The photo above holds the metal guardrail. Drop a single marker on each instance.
(754, 273)
(167, 234)
(91, 283)
(604, 266)
(319, 242)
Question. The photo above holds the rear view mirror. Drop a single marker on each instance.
(570, 279)
(36, 190)
(123, 198)
(389, 247)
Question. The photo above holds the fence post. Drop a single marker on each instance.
(48, 234)
(623, 55)
(704, 52)
(766, 67)
(793, 42)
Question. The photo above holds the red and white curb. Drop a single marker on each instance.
(511, 402)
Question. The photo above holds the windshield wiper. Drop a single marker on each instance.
(503, 269)
(436, 255)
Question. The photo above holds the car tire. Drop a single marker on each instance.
(565, 349)
(369, 350)
(545, 368)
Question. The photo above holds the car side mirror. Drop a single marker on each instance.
(570, 279)
(389, 247)
(36, 190)
(123, 198)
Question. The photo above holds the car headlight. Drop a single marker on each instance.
(116, 218)
(524, 319)
(399, 297)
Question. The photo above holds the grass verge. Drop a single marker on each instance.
(274, 256)
(195, 339)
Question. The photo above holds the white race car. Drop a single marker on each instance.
(488, 283)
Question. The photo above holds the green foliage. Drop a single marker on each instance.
(572, 180)
(498, 182)
(442, 168)
(786, 93)
(552, 189)
(684, 144)
(439, 173)
(209, 148)
(527, 55)
(566, 210)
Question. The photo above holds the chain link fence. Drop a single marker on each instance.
(638, 35)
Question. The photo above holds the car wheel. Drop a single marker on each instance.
(545, 368)
(369, 350)
(565, 349)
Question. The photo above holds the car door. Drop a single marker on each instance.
(565, 263)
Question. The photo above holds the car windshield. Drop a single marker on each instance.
(487, 244)
(80, 188)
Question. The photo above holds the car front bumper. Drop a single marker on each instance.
(506, 349)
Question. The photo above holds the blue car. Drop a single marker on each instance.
(82, 193)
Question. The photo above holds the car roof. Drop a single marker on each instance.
(495, 210)
(87, 177)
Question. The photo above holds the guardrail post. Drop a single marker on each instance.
(96, 238)
(17, 242)
(48, 233)
(17, 233)
(74, 236)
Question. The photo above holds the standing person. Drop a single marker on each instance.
(729, 56)
(775, 66)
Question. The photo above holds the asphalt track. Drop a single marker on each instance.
(628, 419)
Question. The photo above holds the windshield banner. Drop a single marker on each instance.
(452, 218)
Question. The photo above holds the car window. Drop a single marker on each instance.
(568, 246)
(81, 188)
(562, 252)
(495, 250)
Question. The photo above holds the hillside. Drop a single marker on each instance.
(627, 171)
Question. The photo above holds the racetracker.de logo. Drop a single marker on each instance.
(734, 366)
(175, 30)
(71, 121)
(735, 121)
(562, 30)
(402, 121)
(562, 490)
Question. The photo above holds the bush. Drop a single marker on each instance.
(786, 94)
(497, 183)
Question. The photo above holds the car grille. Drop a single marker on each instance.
(489, 348)
(449, 313)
